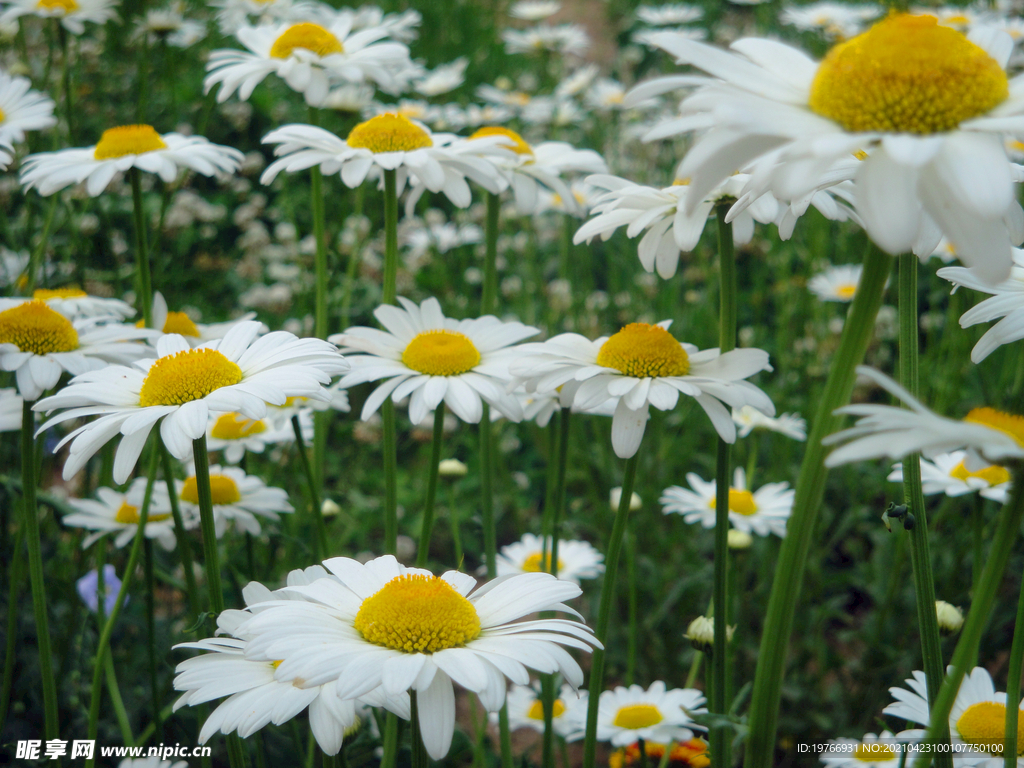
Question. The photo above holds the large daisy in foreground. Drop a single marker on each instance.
(382, 625)
(929, 106)
(179, 389)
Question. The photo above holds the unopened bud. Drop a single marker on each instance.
(739, 539)
(329, 508)
(701, 634)
(451, 468)
(950, 617)
(615, 498)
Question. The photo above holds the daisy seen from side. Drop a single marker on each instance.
(656, 714)
(872, 751)
(525, 709)
(235, 435)
(763, 511)
(238, 499)
(948, 473)
(118, 513)
(576, 559)
(836, 283)
(748, 419)
(22, 109)
(72, 14)
(76, 304)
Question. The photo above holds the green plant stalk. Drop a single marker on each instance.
(920, 555)
(390, 288)
(387, 410)
(320, 418)
(184, 545)
(984, 596)
(419, 752)
(487, 493)
(720, 741)
(14, 586)
(810, 490)
(108, 627)
(321, 550)
(631, 590)
(423, 549)
(66, 78)
(144, 283)
(120, 713)
(206, 519)
(978, 538)
(35, 568)
(489, 297)
(1013, 685)
(611, 565)
(44, 240)
(390, 740)
(154, 690)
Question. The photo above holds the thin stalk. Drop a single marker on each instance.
(611, 565)
(35, 568)
(390, 238)
(154, 690)
(920, 556)
(978, 538)
(184, 546)
(423, 549)
(720, 741)
(321, 550)
(1013, 686)
(505, 736)
(120, 713)
(108, 627)
(387, 759)
(966, 650)
(489, 298)
(453, 523)
(810, 490)
(202, 462)
(631, 590)
(487, 493)
(321, 419)
(14, 587)
(419, 752)
(66, 78)
(144, 284)
(40, 249)
(387, 410)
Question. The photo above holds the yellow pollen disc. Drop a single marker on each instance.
(67, 6)
(537, 709)
(533, 563)
(222, 488)
(234, 426)
(907, 74)
(309, 37)
(1007, 423)
(34, 327)
(984, 725)
(128, 140)
(179, 322)
(868, 753)
(57, 293)
(643, 351)
(186, 376)
(417, 614)
(129, 515)
(276, 664)
(2, 116)
(993, 475)
(681, 182)
(846, 291)
(389, 133)
(636, 716)
(515, 142)
(441, 353)
(740, 502)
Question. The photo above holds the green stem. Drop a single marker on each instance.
(453, 523)
(387, 410)
(631, 589)
(184, 545)
(978, 541)
(920, 556)
(323, 550)
(35, 568)
(120, 713)
(420, 759)
(487, 493)
(611, 564)
(505, 737)
(44, 240)
(151, 630)
(390, 238)
(1013, 686)
(981, 606)
(489, 298)
(810, 489)
(423, 549)
(144, 284)
(66, 77)
(14, 587)
(321, 419)
(108, 627)
(202, 462)
(387, 760)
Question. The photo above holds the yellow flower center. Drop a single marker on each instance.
(869, 753)
(993, 475)
(984, 725)
(223, 490)
(129, 515)
(642, 351)
(846, 291)
(68, 6)
(533, 563)
(441, 353)
(128, 140)
(417, 614)
(907, 74)
(1007, 423)
(34, 327)
(309, 37)
(57, 293)
(176, 322)
(537, 709)
(389, 133)
(515, 142)
(636, 716)
(185, 376)
(740, 502)
(234, 426)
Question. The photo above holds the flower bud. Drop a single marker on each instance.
(615, 498)
(949, 616)
(451, 468)
(739, 539)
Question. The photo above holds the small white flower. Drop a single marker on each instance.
(947, 473)
(169, 25)
(834, 20)
(525, 709)
(444, 78)
(169, 321)
(664, 15)
(234, 434)
(748, 419)
(22, 109)
(72, 13)
(280, 416)
(657, 715)
(534, 10)
(881, 751)
(764, 511)
(565, 39)
(235, 14)
(576, 559)
(837, 283)
(76, 304)
(452, 468)
(119, 512)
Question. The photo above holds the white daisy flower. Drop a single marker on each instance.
(308, 57)
(525, 709)
(11, 406)
(534, 10)
(444, 78)
(150, 762)
(169, 25)
(5, 157)
(233, 434)
(179, 389)
(194, 333)
(403, 629)
(235, 14)
(119, 512)
(664, 15)
(528, 169)
(255, 697)
(75, 304)
(433, 358)
(556, 111)
(1006, 305)
(935, 162)
(640, 366)
(873, 751)
(576, 559)
(440, 162)
(646, 37)
(764, 511)
(748, 419)
(121, 148)
(837, 283)
(976, 721)
(280, 416)
(834, 20)
(564, 39)
(948, 473)
(39, 344)
(72, 13)
(22, 109)
(990, 436)
(656, 714)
